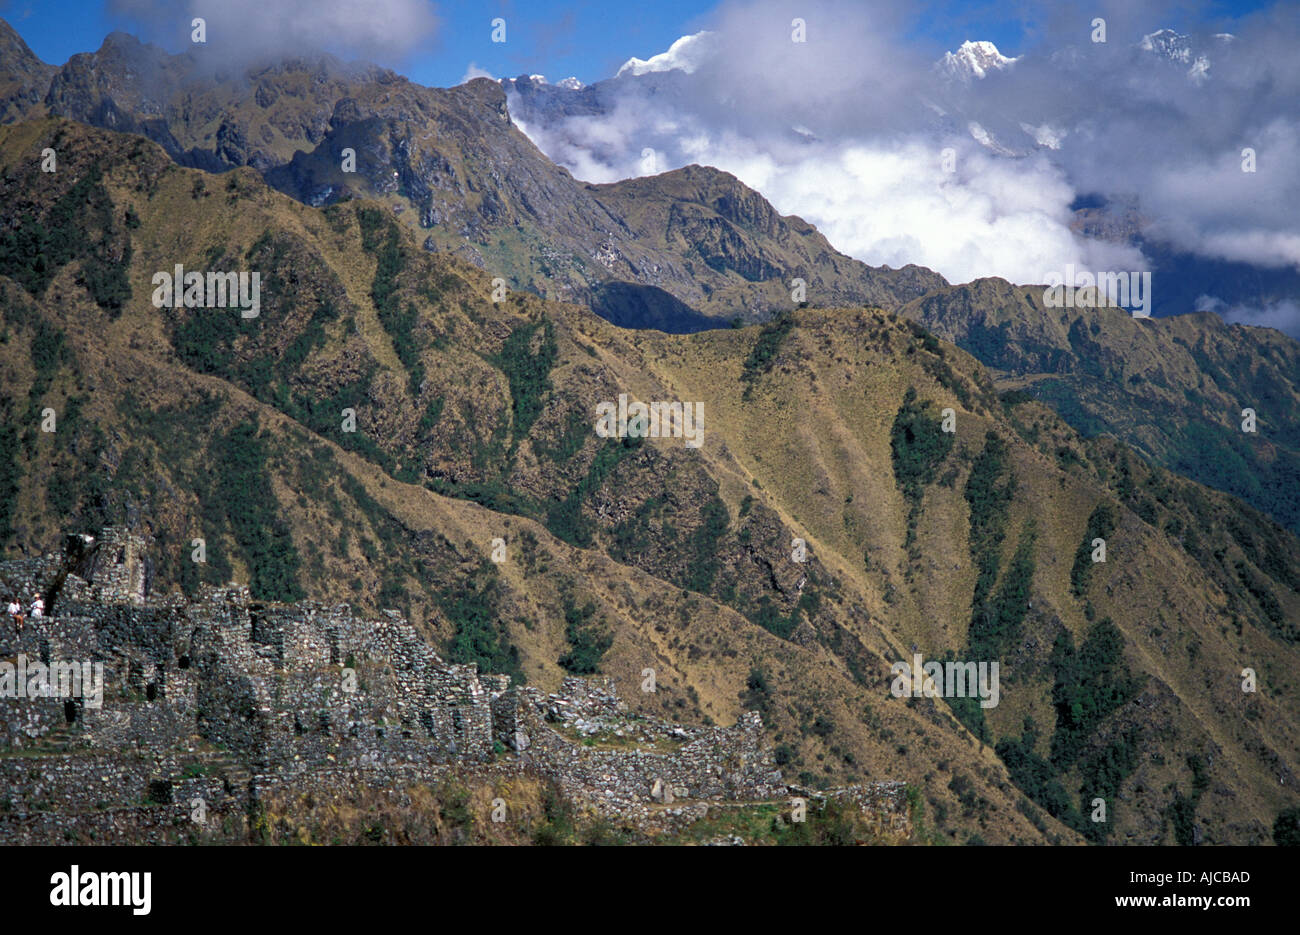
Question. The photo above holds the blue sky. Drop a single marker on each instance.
(585, 38)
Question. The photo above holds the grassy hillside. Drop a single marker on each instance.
(1173, 388)
(473, 422)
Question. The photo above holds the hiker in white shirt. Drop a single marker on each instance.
(38, 608)
(16, 612)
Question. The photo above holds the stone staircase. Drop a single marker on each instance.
(230, 769)
(66, 738)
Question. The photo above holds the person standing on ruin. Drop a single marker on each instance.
(38, 607)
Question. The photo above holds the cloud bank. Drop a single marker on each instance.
(899, 158)
(254, 30)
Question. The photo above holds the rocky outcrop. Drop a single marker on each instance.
(24, 79)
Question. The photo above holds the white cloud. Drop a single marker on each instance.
(871, 115)
(683, 55)
(249, 29)
(473, 71)
(893, 204)
(1283, 315)
(1046, 135)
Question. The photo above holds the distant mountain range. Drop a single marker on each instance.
(685, 250)
(956, 105)
(455, 166)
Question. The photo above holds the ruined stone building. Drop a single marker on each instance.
(223, 698)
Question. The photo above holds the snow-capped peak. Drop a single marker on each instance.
(1170, 44)
(570, 84)
(1177, 48)
(974, 60)
(685, 54)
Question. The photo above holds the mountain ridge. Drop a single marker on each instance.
(1174, 386)
(455, 167)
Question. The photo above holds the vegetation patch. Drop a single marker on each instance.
(34, 251)
(996, 625)
(566, 520)
(1090, 685)
(1101, 523)
(760, 358)
(919, 446)
(480, 635)
(11, 469)
(1181, 812)
(243, 487)
(587, 642)
(989, 497)
(529, 373)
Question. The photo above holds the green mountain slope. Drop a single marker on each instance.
(473, 422)
(1173, 388)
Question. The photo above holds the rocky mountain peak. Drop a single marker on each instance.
(23, 77)
(974, 60)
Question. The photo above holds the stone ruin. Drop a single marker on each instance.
(223, 699)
